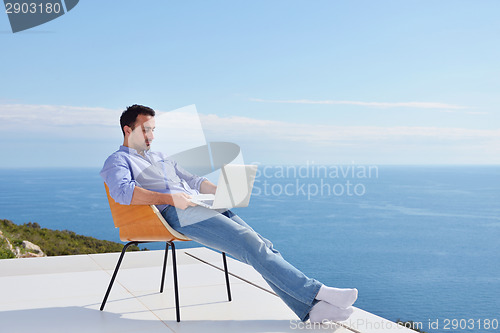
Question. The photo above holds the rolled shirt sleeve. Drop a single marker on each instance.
(117, 175)
(125, 169)
(193, 181)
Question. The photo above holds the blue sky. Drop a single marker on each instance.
(369, 82)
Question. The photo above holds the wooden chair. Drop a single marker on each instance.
(144, 224)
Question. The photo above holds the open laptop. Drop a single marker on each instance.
(234, 188)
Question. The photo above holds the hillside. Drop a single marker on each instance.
(30, 240)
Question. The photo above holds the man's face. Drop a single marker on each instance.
(141, 136)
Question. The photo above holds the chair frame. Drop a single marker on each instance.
(174, 235)
(174, 264)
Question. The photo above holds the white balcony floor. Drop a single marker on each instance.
(63, 294)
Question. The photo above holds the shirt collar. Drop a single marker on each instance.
(132, 150)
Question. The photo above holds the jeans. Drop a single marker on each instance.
(227, 232)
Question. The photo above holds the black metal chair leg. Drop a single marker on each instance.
(227, 277)
(176, 287)
(115, 273)
(164, 267)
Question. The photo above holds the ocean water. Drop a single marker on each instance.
(420, 243)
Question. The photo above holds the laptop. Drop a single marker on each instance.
(234, 188)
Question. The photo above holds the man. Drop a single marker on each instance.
(136, 175)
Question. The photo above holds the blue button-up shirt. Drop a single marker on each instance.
(126, 168)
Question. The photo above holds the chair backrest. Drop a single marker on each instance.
(141, 222)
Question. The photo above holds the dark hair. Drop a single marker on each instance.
(129, 116)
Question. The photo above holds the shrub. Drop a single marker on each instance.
(57, 242)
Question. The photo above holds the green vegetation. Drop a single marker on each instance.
(5, 252)
(52, 242)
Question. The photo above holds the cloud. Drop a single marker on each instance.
(97, 130)
(421, 105)
(245, 128)
(57, 115)
(340, 135)
(477, 112)
(278, 142)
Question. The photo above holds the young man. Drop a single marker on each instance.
(136, 175)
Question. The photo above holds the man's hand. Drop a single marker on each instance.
(182, 200)
(207, 187)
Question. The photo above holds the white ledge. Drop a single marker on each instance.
(63, 294)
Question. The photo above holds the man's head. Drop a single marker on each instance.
(137, 123)
(129, 116)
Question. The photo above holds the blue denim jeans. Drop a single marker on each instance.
(227, 232)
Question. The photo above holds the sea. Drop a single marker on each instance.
(420, 243)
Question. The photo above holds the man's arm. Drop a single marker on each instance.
(142, 196)
(195, 182)
(207, 187)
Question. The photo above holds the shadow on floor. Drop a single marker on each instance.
(81, 319)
